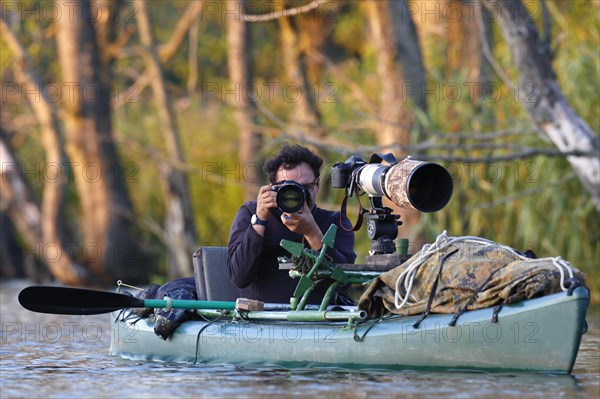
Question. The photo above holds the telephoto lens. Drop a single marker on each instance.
(410, 184)
(424, 186)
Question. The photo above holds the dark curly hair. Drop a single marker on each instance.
(291, 156)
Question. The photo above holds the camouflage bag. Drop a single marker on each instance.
(456, 274)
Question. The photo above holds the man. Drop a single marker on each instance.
(257, 230)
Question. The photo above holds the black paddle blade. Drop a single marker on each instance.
(64, 300)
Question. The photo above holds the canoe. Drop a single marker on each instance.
(540, 334)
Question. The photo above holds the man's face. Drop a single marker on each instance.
(302, 174)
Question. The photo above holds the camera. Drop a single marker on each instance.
(291, 196)
(341, 173)
(410, 184)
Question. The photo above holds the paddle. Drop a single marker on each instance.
(79, 301)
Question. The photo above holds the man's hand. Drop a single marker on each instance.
(303, 223)
(266, 199)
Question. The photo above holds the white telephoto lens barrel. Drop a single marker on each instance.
(371, 179)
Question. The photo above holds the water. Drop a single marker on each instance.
(67, 357)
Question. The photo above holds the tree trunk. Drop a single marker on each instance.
(463, 51)
(401, 74)
(49, 226)
(408, 52)
(193, 57)
(105, 206)
(399, 64)
(180, 231)
(315, 36)
(250, 141)
(541, 96)
(10, 251)
(306, 114)
(18, 202)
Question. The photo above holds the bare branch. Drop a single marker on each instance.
(485, 46)
(191, 13)
(136, 88)
(434, 149)
(525, 193)
(193, 56)
(356, 89)
(114, 49)
(283, 13)
(546, 23)
(499, 134)
(345, 149)
(154, 154)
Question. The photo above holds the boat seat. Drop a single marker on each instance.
(212, 275)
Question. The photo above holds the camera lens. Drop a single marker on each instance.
(371, 179)
(429, 187)
(290, 198)
(424, 186)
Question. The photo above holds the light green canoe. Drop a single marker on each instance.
(540, 334)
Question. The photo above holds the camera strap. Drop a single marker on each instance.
(361, 212)
(389, 158)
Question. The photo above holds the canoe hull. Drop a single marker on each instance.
(541, 334)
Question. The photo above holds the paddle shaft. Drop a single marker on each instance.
(188, 304)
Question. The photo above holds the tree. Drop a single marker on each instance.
(180, 232)
(240, 77)
(306, 114)
(38, 224)
(541, 96)
(19, 203)
(399, 64)
(468, 35)
(106, 209)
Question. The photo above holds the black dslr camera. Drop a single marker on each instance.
(291, 196)
(342, 172)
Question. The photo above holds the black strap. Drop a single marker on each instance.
(571, 284)
(375, 158)
(433, 290)
(361, 212)
(495, 313)
(358, 338)
(389, 158)
(474, 296)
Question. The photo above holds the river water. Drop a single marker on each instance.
(53, 356)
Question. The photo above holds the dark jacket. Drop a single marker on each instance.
(252, 259)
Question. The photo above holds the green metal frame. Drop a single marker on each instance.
(315, 269)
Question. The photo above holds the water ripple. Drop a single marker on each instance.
(66, 357)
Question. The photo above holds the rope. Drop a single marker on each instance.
(560, 263)
(406, 279)
(121, 283)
